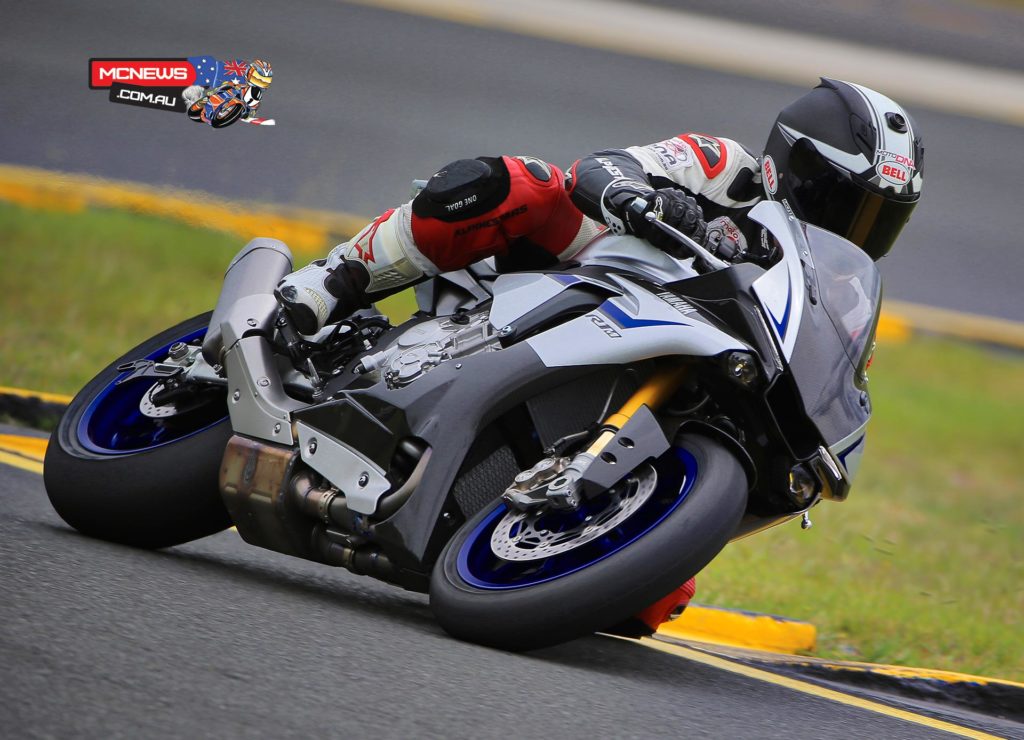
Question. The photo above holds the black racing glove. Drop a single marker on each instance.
(669, 206)
(725, 240)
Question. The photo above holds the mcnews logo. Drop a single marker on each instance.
(210, 90)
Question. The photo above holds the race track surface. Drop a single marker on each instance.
(220, 639)
(367, 99)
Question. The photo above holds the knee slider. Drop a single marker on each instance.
(463, 189)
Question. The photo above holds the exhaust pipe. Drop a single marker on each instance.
(255, 270)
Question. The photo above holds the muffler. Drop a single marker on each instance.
(256, 270)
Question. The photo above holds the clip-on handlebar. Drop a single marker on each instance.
(701, 255)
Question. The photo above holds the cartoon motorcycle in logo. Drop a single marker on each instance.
(232, 100)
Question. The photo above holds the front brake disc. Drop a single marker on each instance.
(542, 533)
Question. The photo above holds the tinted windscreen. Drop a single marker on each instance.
(836, 330)
(849, 287)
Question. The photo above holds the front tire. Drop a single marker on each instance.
(112, 473)
(479, 597)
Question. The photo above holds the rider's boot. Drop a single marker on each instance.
(305, 297)
(380, 260)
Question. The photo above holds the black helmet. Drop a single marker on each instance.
(847, 159)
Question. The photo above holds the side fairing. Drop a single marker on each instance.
(634, 325)
(782, 289)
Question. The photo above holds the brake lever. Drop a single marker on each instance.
(710, 261)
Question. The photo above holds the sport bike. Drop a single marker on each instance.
(545, 452)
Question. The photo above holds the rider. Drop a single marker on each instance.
(842, 157)
(258, 77)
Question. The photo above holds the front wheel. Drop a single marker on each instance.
(114, 472)
(521, 582)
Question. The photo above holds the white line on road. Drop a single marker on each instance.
(740, 48)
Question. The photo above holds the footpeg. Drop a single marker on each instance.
(147, 369)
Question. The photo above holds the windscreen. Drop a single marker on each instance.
(836, 333)
(849, 288)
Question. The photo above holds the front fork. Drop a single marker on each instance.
(628, 438)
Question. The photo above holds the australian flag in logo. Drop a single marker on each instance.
(211, 72)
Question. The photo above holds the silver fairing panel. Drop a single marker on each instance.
(632, 324)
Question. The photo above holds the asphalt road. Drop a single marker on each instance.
(220, 639)
(367, 99)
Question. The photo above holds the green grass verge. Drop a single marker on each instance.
(922, 565)
(77, 290)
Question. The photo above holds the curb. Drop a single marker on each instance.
(995, 697)
(953, 324)
(305, 230)
(311, 232)
(36, 409)
(991, 696)
(743, 629)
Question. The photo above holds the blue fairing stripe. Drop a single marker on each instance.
(782, 326)
(625, 321)
(565, 279)
(848, 450)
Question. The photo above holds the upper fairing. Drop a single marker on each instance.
(781, 289)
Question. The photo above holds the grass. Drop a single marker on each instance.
(922, 566)
(79, 289)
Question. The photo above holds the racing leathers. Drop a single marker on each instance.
(718, 174)
(515, 209)
(524, 212)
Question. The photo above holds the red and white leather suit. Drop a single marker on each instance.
(544, 216)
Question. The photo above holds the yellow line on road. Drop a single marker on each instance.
(17, 461)
(30, 447)
(811, 689)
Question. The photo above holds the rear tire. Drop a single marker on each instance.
(603, 592)
(149, 496)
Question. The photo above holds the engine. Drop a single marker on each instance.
(427, 345)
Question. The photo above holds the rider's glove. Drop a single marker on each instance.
(672, 207)
(725, 240)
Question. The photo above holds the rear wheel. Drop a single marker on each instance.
(521, 582)
(114, 472)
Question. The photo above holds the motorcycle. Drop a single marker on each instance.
(545, 453)
(219, 107)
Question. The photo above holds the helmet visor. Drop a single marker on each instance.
(257, 79)
(828, 197)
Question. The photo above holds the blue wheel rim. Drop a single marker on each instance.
(478, 566)
(113, 425)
